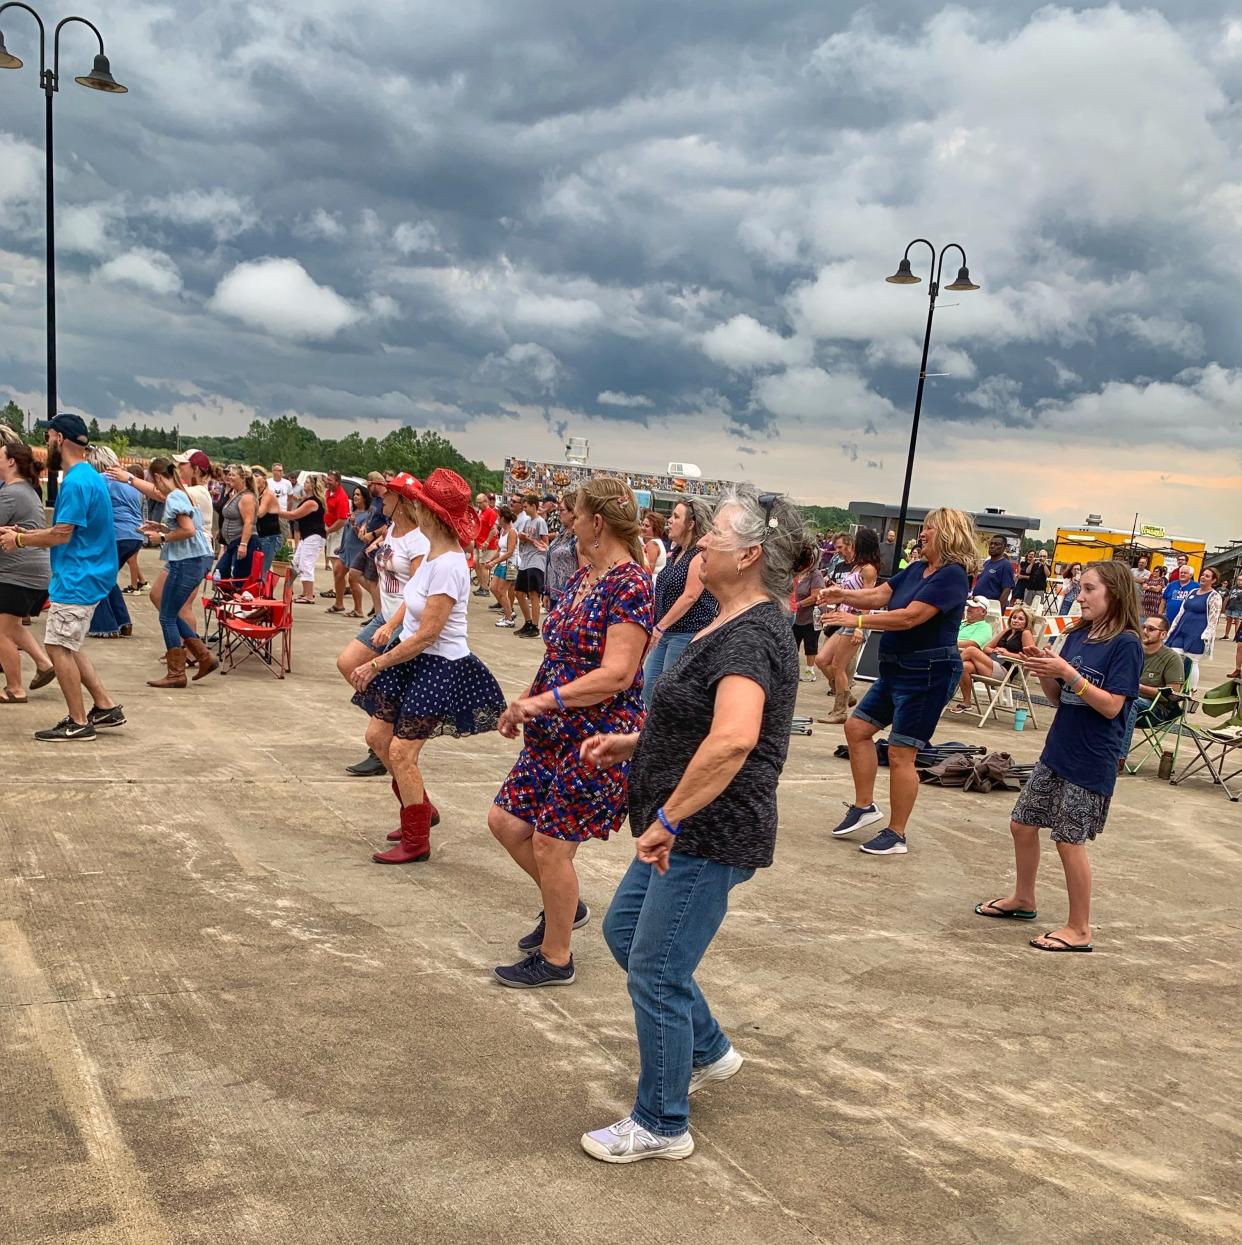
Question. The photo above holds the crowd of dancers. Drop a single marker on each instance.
(665, 695)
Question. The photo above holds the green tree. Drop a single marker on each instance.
(92, 430)
(14, 416)
(828, 518)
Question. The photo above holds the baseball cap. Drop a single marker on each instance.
(71, 427)
(978, 603)
(376, 477)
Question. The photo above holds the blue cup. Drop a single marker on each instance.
(1019, 719)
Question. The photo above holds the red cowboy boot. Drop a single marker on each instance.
(394, 836)
(415, 845)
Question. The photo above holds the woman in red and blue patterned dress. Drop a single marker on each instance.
(590, 683)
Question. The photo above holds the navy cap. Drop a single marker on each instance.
(71, 427)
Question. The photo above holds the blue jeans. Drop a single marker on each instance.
(658, 929)
(268, 546)
(184, 576)
(663, 656)
(231, 566)
(111, 614)
(911, 693)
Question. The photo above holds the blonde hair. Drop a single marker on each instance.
(102, 457)
(614, 501)
(8, 436)
(314, 488)
(246, 474)
(957, 537)
(1123, 607)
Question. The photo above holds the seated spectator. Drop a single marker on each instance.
(989, 661)
(1162, 668)
(974, 634)
(995, 580)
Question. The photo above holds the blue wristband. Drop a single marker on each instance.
(556, 695)
(662, 817)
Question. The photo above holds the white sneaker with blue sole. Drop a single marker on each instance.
(856, 818)
(887, 843)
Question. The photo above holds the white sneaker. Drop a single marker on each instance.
(729, 1064)
(504, 622)
(807, 676)
(627, 1142)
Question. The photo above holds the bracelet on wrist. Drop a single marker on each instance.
(560, 704)
(662, 818)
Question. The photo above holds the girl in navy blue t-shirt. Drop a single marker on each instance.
(1092, 683)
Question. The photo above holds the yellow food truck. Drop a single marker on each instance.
(1093, 543)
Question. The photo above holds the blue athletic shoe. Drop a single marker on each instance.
(887, 843)
(856, 818)
(528, 942)
(535, 971)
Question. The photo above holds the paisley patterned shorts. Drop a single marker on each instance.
(1072, 813)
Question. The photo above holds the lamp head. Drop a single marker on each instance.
(7, 59)
(963, 281)
(100, 78)
(903, 275)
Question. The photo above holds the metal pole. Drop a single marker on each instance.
(49, 90)
(932, 291)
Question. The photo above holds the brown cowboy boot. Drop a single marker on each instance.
(203, 655)
(840, 708)
(175, 659)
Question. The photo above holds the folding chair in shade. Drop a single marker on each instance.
(1153, 726)
(262, 629)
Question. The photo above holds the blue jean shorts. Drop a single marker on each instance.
(911, 694)
(367, 633)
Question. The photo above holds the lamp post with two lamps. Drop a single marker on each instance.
(905, 276)
(99, 79)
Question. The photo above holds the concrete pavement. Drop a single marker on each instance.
(222, 1023)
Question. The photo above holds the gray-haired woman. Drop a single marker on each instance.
(702, 801)
(682, 605)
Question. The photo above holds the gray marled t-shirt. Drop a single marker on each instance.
(739, 827)
(21, 506)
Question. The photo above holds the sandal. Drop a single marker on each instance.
(959, 708)
(304, 600)
(1063, 947)
(7, 698)
(1004, 914)
(354, 614)
(335, 609)
(43, 678)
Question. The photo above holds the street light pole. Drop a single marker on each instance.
(99, 79)
(905, 276)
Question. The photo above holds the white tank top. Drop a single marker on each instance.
(661, 561)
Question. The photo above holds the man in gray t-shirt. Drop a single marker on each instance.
(532, 538)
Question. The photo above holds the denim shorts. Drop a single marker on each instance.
(911, 694)
(367, 633)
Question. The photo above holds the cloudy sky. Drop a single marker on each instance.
(663, 225)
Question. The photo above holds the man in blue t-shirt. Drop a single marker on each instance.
(84, 567)
(1185, 585)
(996, 579)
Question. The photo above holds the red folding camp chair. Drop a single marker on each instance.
(225, 591)
(261, 628)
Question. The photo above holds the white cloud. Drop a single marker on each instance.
(416, 237)
(524, 364)
(147, 270)
(1171, 333)
(227, 215)
(280, 297)
(86, 228)
(610, 397)
(321, 224)
(742, 344)
(21, 179)
(832, 399)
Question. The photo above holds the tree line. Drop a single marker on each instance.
(285, 441)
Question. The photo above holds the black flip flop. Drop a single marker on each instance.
(1002, 914)
(1065, 946)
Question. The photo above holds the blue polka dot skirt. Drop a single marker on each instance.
(429, 696)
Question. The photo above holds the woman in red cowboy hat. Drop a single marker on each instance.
(427, 682)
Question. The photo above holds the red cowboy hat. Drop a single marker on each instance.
(447, 496)
(404, 485)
